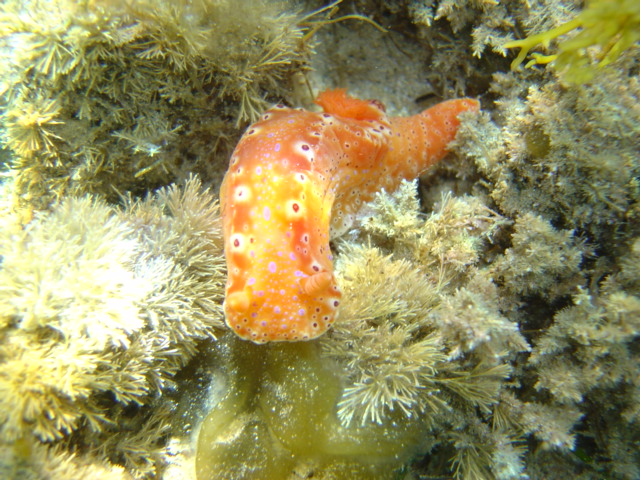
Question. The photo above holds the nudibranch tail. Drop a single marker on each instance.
(297, 177)
(421, 140)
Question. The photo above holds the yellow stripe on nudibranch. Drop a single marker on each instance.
(295, 179)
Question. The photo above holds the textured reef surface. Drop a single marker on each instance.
(489, 318)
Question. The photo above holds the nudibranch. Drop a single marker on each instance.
(296, 179)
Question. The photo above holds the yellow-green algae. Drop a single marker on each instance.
(278, 419)
(610, 25)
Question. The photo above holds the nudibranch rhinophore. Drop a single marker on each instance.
(296, 179)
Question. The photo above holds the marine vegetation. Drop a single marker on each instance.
(392, 380)
(489, 316)
(109, 96)
(99, 308)
(574, 174)
(503, 323)
(611, 25)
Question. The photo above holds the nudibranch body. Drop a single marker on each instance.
(297, 178)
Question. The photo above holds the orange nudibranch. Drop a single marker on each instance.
(296, 179)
